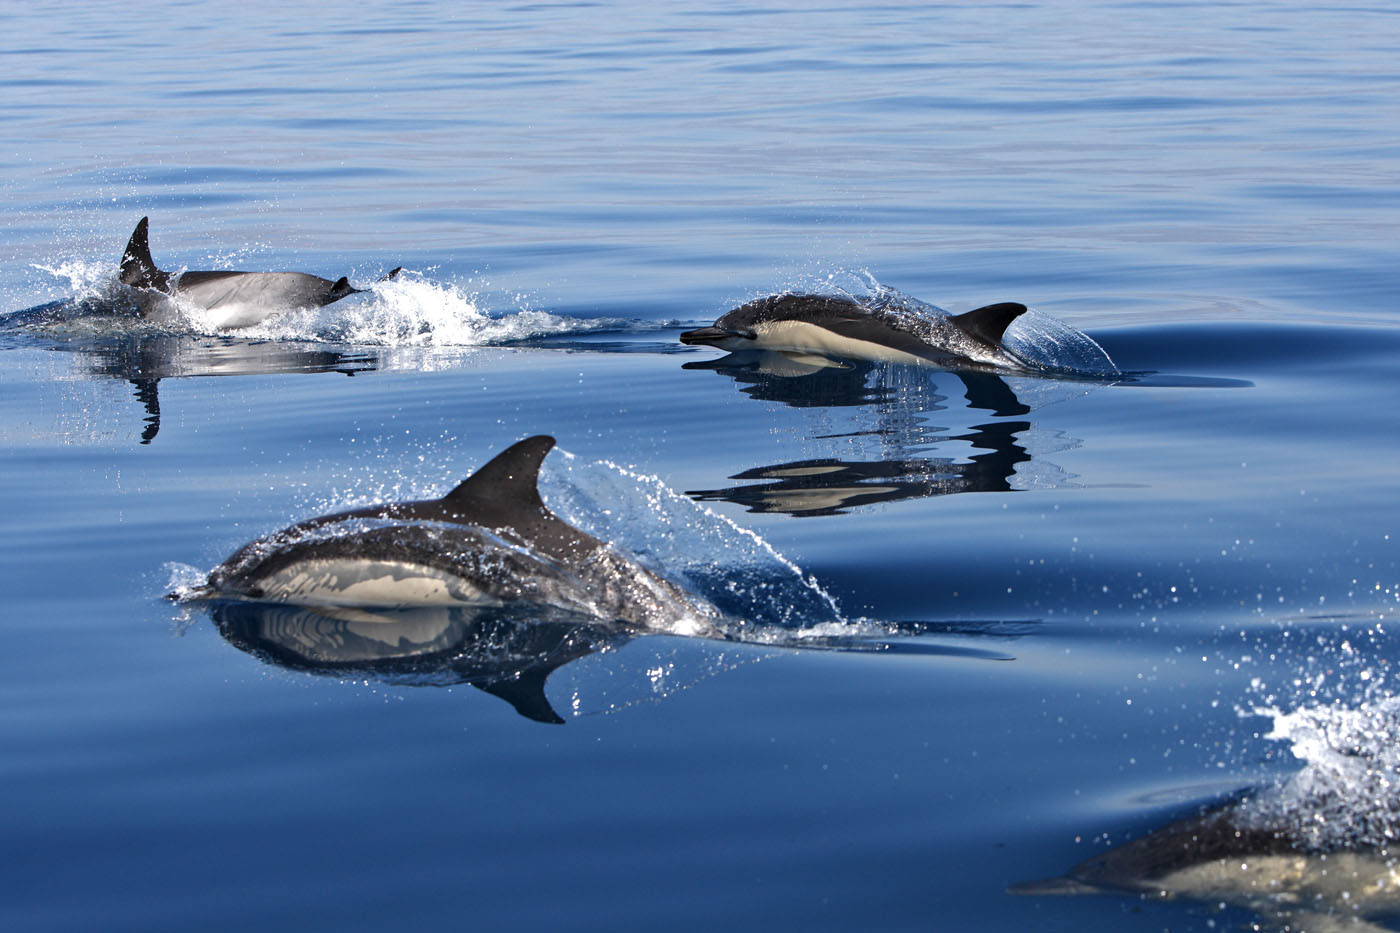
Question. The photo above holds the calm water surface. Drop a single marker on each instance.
(1070, 612)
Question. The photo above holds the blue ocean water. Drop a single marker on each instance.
(1170, 587)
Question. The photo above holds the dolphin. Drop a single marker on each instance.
(1216, 856)
(843, 327)
(490, 542)
(239, 299)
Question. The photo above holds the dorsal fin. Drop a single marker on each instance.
(138, 269)
(510, 476)
(338, 290)
(987, 324)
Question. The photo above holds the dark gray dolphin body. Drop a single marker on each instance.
(489, 542)
(238, 299)
(836, 326)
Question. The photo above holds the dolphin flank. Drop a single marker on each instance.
(843, 327)
(490, 542)
(240, 299)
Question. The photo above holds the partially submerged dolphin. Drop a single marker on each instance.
(489, 542)
(1217, 857)
(239, 299)
(843, 327)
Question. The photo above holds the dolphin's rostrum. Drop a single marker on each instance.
(239, 299)
(844, 327)
(490, 542)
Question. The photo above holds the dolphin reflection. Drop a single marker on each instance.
(491, 650)
(99, 333)
(799, 380)
(510, 652)
(805, 380)
(900, 397)
(145, 360)
(831, 486)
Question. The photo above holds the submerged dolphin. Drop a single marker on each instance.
(1216, 857)
(844, 327)
(491, 541)
(241, 299)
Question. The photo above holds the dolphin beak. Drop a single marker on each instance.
(710, 335)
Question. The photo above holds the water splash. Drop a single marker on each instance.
(1339, 718)
(731, 567)
(183, 580)
(86, 278)
(1347, 794)
(1049, 344)
(414, 311)
(95, 304)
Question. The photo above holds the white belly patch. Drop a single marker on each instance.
(804, 337)
(379, 584)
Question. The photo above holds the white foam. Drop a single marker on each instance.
(1346, 733)
(414, 311)
(1347, 793)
